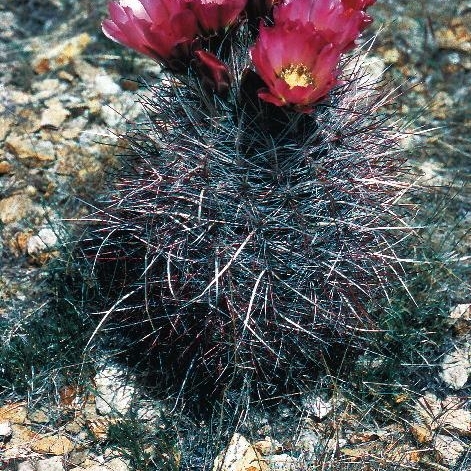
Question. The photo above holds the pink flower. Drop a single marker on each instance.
(341, 21)
(297, 64)
(214, 74)
(161, 29)
(214, 15)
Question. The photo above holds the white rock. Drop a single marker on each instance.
(105, 85)
(26, 466)
(450, 449)
(456, 367)
(54, 115)
(448, 414)
(5, 430)
(283, 462)
(308, 441)
(461, 311)
(118, 112)
(50, 464)
(93, 467)
(114, 391)
(150, 411)
(45, 240)
(117, 464)
(240, 455)
(334, 444)
(316, 407)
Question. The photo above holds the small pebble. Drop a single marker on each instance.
(106, 85)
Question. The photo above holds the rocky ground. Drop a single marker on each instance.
(66, 93)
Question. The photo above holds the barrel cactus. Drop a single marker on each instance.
(256, 218)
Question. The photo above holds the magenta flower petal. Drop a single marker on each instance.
(341, 21)
(214, 15)
(161, 29)
(297, 64)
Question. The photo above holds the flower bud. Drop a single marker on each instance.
(213, 73)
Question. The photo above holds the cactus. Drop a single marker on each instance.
(252, 227)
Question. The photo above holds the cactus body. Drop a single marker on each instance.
(246, 240)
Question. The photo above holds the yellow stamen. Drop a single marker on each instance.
(297, 75)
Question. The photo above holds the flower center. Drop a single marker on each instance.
(297, 75)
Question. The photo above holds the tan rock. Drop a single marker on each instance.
(114, 391)
(19, 98)
(267, 446)
(421, 434)
(455, 419)
(14, 208)
(5, 167)
(240, 455)
(15, 413)
(54, 115)
(75, 427)
(99, 426)
(63, 75)
(77, 458)
(54, 445)
(392, 56)
(19, 242)
(22, 146)
(44, 241)
(116, 464)
(456, 37)
(94, 105)
(86, 71)
(22, 433)
(404, 454)
(19, 444)
(105, 85)
(6, 125)
(354, 453)
(27, 123)
(47, 88)
(62, 54)
(38, 417)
